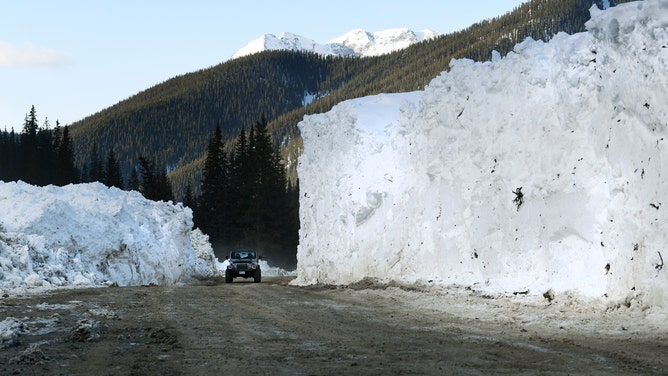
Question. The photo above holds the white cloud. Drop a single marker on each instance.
(14, 56)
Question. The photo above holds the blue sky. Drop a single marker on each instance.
(72, 58)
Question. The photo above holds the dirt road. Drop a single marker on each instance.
(271, 328)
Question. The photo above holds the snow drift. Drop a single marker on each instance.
(91, 235)
(419, 186)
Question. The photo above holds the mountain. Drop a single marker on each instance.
(354, 43)
(382, 42)
(172, 121)
(292, 42)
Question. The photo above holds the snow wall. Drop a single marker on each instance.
(419, 186)
(91, 235)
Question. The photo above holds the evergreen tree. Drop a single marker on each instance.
(189, 199)
(258, 197)
(30, 126)
(45, 166)
(239, 194)
(112, 171)
(291, 230)
(133, 182)
(96, 172)
(163, 188)
(56, 136)
(211, 211)
(269, 207)
(154, 184)
(9, 156)
(28, 154)
(84, 176)
(68, 173)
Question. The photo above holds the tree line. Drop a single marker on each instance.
(245, 198)
(42, 155)
(39, 155)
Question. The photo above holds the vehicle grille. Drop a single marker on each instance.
(243, 266)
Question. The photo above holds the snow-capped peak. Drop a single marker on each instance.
(357, 42)
(291, 42)
(382, 42)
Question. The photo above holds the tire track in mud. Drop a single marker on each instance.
(271, 328)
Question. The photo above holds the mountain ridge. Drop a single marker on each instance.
(357, 42)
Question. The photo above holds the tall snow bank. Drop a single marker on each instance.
(91, 235)
(419, 186)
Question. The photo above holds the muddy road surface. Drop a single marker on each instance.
(272, 328)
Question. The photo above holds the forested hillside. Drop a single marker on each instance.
(172, 121)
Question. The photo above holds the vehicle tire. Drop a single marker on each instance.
(228, 276)
(257, 277)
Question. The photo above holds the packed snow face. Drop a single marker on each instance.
(419, 186)
(91, 235)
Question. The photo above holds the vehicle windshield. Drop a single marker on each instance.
(243, 255)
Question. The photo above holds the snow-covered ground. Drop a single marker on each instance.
(91, 235)
(418, 187)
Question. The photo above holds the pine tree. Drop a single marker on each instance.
(28, 154)
(30, 125)
(9, 156)
(154, 183)
(133, 182)
(163, 187)
(268, 210)
(56, 136)
(45, 166)
(65, 155)
(96, 172)
(84, 176)
(189, 199)
(112, 171)
(211, 213)
(239, 193)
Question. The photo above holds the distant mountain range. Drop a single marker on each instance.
(357, 42)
